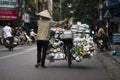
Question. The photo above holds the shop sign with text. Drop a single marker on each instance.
(9, 15)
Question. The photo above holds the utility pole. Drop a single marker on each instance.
(21, 11)
(100, 7)
(107, 16)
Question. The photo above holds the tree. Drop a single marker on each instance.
(84, 10)
(56, 15)
(31, 7)
(65, 8)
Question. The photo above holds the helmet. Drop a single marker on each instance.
(31, 29)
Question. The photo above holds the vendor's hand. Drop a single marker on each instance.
(66, 19)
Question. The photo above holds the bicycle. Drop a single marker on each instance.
(67, 47)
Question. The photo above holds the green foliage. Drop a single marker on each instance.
(33, 8)
(84, 10)
(56, 15)
(65, 9)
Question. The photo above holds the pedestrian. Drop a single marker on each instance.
(43, 37)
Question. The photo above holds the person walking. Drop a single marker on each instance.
(43, 36)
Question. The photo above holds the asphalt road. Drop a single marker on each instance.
(19, 65)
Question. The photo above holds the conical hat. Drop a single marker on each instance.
(45, 13)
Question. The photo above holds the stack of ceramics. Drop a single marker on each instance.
(56, 49)
(83, 48)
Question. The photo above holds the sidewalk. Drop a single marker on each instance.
(117, 56)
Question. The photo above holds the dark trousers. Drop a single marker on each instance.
(67, 43)
(11, 39)
(42, 47)
(33, 39)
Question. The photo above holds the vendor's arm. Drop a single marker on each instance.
(59, 22)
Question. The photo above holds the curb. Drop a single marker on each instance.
(116, 58)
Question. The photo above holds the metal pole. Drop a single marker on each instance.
(107, 22)
(100, 10)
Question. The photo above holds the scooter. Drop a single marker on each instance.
(9, 45)
(100, 44)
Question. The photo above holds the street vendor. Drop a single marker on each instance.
(43, 36)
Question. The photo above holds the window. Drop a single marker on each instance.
(8, 3)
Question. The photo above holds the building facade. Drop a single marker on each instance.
(115, 11)
(109, 17)
(109, 10)
(8, 11)
(11, 11)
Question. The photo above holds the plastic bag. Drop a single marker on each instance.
(67, 34)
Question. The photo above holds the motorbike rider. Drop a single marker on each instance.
(103, 36)
(7, 34)
(32, 35)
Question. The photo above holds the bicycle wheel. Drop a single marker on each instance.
(67, 47)
(69, 60)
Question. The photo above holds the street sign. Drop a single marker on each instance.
(116, 38)
(107, 14)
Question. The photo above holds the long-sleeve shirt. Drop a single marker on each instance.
(43, 32)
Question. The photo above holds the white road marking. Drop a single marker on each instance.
(4, 48)
(12, 55)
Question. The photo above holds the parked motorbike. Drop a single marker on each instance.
(95, 38)
(100, 44)
(10, 45)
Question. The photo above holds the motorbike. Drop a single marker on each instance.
(10, 45)
(100, 44)
(95, 38)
